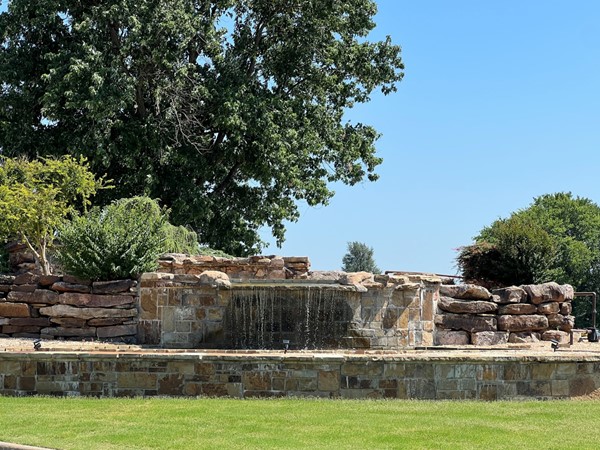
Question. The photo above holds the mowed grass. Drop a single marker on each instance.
(85, 423)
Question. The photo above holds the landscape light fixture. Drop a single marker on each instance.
(554, 344)
(37, 344)
(286, 343)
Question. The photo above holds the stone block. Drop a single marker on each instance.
(86, 313)
(95, 300)
(447, 337)
(452, 305)
(62, 286)
(465, 291)
(328, 380)
(566, 308)
(511, 294)
(69, 322)
(14, 310)
(548, 308)
(69, 332)
(517, 309)
(466, 322)
(522, 323)
(561, 336)
(548, 292)
(26, 278)
(523, 337)
(489, 338)
(30, 321)
(560, 322)
(39, 296)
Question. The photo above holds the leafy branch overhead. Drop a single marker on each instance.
(230, 111)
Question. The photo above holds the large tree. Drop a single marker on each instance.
(230, 111)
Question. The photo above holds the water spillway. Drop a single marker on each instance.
(271, 316)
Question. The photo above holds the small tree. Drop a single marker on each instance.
(359, 258)
(37, 196)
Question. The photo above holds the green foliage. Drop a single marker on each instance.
(180, 239)
(556, 238)
(37, 196)
(212, 252)
(230, 111)
(359, 258)
(122, 240)
(511, 251)
(4, 259)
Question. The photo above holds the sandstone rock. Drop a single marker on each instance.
(69, 332)
(325, 275)
(39, 296)
(107, 322)
(353, 278)
(12, 329)
(489, 338)
(69, 322)
(48, 280)
(549, 308)
(447, 337)
(466, 306)
(86, 313)
(116, 331)
(112, 287)
(558, 321)
(548, 292)
(561, 336)
(14, 310)
(466, 322)
(517, 308)
(215, 278)
(24, 287)
(465, 291)
(523, 337)
(95, 300)
(511, 294)
(566, 308)
(30, 321)
(61, 286)
(26, 278)
(522, 323)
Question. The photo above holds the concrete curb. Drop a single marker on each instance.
(9, 446)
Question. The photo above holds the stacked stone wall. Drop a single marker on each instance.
(65, 307)
(251, 268)
(331, 376)
(470, 314)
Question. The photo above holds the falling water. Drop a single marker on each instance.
(309, 317)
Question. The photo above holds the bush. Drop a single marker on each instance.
(180, 240)
(122, 240)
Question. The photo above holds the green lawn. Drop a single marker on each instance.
(71, 423)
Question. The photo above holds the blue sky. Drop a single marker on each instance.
(499, 104)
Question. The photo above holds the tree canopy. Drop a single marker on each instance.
(359, 258)
(36, 197)
(229, 111)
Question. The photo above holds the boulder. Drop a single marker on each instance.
(548, 292)
(523, 337)
(566, 308)
(517, 309)
(215, 278)
(466, 306)
(549, 308)
(560, 322)
(524, 322)
(325, 275)
(466, 322)
(448, 337)
(354, 278)
(14, 310)
(511, 294)
(39, 296)
(86, 313)
(465, 291)
(561, 336)
(489, 338)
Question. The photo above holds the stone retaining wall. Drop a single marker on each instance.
(251, 268)
(319, 375)
(65, 307)
(470, 314)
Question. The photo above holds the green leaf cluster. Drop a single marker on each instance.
(230, 111)
(359, 258)
(36, 197)
(121, 240)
